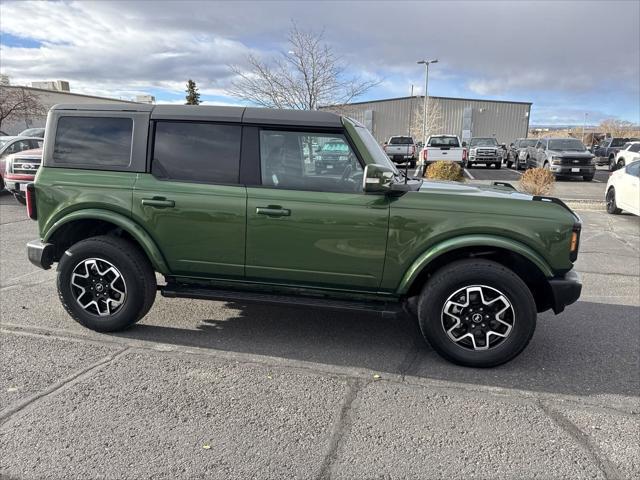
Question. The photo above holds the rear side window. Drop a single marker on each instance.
(93, 141)
(197, 152)
(635, 147)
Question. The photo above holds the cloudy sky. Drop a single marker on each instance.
(567, 57)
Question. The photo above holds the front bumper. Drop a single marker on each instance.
(485, 159)
(565, 290)
(40, 254)
(573, 170)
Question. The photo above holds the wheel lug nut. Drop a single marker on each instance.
(483, 325)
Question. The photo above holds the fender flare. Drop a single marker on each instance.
(132, 228)
(441, 248)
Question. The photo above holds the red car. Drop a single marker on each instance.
(20, 169)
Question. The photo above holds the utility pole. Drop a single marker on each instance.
(584, 125)
(426, 64)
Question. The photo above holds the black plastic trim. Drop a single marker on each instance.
(40, 254)
(566, 290)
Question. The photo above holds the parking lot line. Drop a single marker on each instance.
(471, 177)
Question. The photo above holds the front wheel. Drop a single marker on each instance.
(620, 164)
(612, 207)
(612, 164)
(105, 283)
(477, 313)
(20, 199)
(498, 165)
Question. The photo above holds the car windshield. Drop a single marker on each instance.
(483, 142)
(379, 155)
(401, 141)
(563, 144)
(443, 142)
(528, 143)
(335, 147)
(32, 132)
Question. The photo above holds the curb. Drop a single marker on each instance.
(584, 204)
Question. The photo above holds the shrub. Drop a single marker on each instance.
(537, 181)
(444, 171)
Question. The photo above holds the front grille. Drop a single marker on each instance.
(569, 161)
(25, 167)
(486, 153)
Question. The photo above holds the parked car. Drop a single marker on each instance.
(484, 150)
(11, 145)
(333, 156)
(20, 170)
(401, 150)
(562, 156)
(474, 263)
(443, 148)
(32, 132)
(517, 152)
(629, 152)
(605, 151)
(623, 189)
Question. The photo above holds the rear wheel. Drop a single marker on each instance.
(477, 313)
(612, 207)
(620, 164)
(612, 164)
(105, 283)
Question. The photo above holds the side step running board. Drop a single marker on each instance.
(201, 293)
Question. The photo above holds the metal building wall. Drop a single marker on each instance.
(504, 120)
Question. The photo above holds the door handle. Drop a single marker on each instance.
(271, 211)
(158, 202)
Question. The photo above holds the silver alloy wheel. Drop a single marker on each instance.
(478, 317)
(98, 286)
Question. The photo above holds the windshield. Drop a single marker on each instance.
(443, 141)
(379, 155)
(483, 142)
(567, 144)
(401, 141)
(528, 143)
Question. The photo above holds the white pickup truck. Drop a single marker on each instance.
(443, 148)
(401, 150)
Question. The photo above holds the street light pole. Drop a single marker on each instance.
(426, 95)
(584, 124)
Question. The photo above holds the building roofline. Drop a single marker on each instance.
(430, 96)
(68, 93)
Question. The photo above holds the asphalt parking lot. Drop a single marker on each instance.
(225, 390)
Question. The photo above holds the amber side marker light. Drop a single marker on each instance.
(575, 242)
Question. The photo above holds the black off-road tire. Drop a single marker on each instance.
(473, 272)
(612, 206)
(136, 272)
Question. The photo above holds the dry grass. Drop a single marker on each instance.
(537, 181)
(444, 171)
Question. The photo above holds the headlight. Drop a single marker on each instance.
(556, 160)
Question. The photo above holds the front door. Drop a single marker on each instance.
(192, 203)
(309, 224)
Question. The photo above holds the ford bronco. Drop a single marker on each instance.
(226, 203)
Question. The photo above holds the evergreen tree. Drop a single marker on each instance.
(193, 95)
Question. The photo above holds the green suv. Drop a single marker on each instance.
(229, 204)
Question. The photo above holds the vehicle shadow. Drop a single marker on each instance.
(592, 349)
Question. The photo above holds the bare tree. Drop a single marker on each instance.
(17, 103)
(434, 119)
(618, 128)
(308, 75)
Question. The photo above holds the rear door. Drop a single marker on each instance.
(312, 227)
(191, 202)
(630, 192)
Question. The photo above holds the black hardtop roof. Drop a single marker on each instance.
(250, 115)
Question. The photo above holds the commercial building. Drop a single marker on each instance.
(459, 116)
(52, 94)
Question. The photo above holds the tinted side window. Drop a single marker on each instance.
(634, 169)
(197, 152)
(93, 141)
(309, 161)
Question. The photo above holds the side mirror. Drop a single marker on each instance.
(377, 178)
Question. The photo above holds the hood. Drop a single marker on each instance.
(571, 153)
(473, 190)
